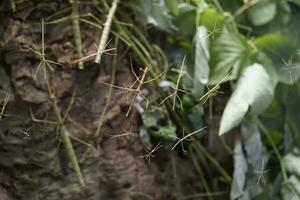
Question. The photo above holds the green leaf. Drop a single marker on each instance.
(281, 49)
(151, 118)
(212, 20)
(295, 1)
(254, 93)
(201, 68)
(231, 52)
(281, 21)
(173, 6)
(152, 12)
(185, 21)
(262, 12)
(166, 133)
(275, 45)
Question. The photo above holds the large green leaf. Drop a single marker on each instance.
(262, 12)
(281, 50)
(212, 20)
(275, 45)
(173, 6)
(186, 19)
(254, 93)
(151, 118)
(279, 23)
(152, 12)
(166, 133)
(231, 52)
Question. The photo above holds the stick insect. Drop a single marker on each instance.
(261, 173)
(140, 81)
(289, 67)
(149, 154)
(187, 136)
(176, 89)
(129, 133)
(214, 90)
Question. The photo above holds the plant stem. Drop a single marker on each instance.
(200, 173)
(175, 177)
(112, 82)
(217, 165)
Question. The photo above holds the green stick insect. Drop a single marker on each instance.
(214, 90)
(176, 89)
(136, 91)
(288, 66)
(262, 173)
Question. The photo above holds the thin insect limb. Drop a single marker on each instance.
(7, 96)
(147, 100)
(129, 133)
(180, 102)
(118, 87)
(41, 120)
(106, 30)
(31, 49)
(184, 72)
(94, 54)
(215, 30)
(155, 78)
(177, 84)
(132, 70)
(181, 142)
(161, 109)
(176, 89)
(43, 61)
(149, 154)
(80, 141)
(138, 90)
(211, 92)
(288, 65)
(180, 90)
(187, 136)
(70, 104)
(261, 173)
